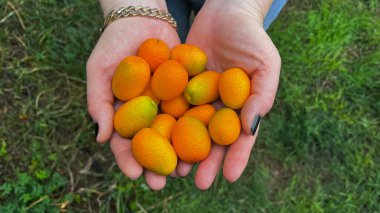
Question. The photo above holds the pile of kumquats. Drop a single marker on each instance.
(168, 111)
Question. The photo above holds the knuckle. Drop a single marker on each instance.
(268, 101)
(91, 107)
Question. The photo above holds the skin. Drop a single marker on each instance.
(116, 42)
(212, 30)
(228, 44)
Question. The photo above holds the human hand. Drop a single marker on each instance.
(120, 39)
(232, 35)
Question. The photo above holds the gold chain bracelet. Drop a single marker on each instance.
(138, 11)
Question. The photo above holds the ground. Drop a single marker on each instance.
(317, 150)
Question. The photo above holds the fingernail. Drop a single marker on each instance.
(96, 126)
(255, 124)
(201, 190)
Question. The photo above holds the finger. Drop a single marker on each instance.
(237, 157)
(121, 149)
(100, 100)
(183, 168)
(209, 168)
(174, 174)
(218, 104)
(156, 182)
(264, 82)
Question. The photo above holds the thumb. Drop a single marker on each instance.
(100, 100)
(264, 83)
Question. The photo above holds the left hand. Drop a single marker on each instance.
(232, 35)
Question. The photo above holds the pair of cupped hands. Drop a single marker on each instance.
(232, 35)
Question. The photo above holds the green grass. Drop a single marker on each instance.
(317, 150)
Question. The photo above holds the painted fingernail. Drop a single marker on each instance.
(96, 126)
(255, 124)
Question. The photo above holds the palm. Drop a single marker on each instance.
(121, 39)
(230, 39)
(234, 39)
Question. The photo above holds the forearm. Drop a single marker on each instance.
(108, 5)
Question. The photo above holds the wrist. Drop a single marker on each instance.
(256, 8)
(108, 5)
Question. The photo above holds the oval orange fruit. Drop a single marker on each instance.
(203, 88)
(164, 123)
(191, 57)
(169, 80)
(201, 112)
(148, 92)
(153, 151)
(191, 140)
(130, 78)
(224, 126)
(175, 107)
(154, 51)
(134, 115)
(234, 88)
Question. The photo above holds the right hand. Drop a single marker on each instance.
(120, 39)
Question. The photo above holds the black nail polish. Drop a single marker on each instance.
(96, 126)
(255, 124)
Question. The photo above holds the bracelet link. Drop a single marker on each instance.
(138, 11)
